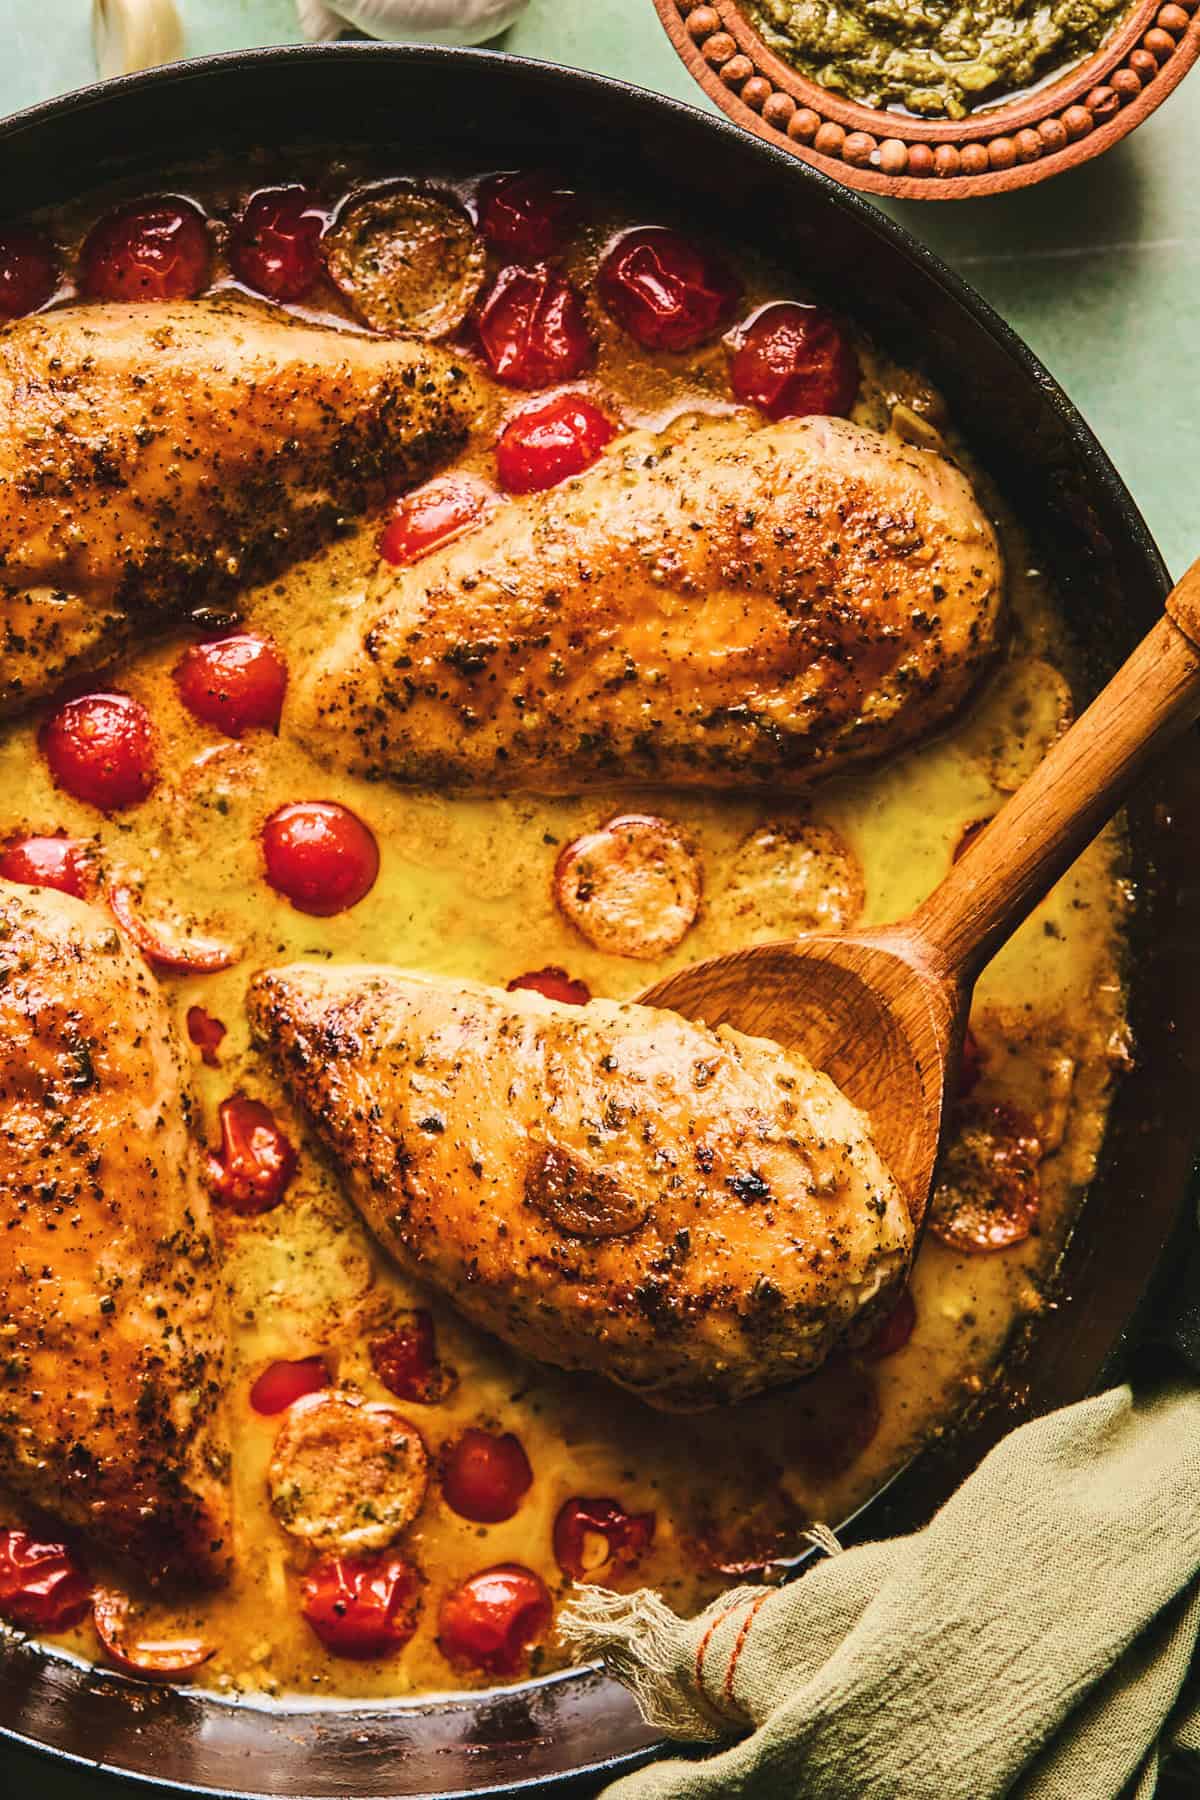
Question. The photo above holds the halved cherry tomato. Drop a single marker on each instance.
(162, 946)
(100, 748)
(236, 684)
(406, 1360)
(42, 1587)
(28, 271)
(667, 292)
(791, 360)
(524, 213)
(156, 249)
(555, 984)
(251, 1171)
(320, 856)
(429, 516)
(895, 1329)
(551, 440)
(836, 1415)
(53, 862)
(590, 1534)
(491, 1620)
(206, 1033)
(154, 1659)
(532, 329)
(485, 1476)
(362, 1607)
(986, 1192)
(282, 1383)
(970, 1065)
(275, 245)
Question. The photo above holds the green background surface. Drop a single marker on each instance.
(1098, 270)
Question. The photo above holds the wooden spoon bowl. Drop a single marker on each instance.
(883, 1011)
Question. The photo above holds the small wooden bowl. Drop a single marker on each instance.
(1007, 146)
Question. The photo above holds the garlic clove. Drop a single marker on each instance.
(134, 34)
(429, 21)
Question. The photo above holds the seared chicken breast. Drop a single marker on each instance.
(157, 458)
(716, 605)
(110, 1308)
(694, 1214)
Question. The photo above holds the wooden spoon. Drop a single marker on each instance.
(884, 1010)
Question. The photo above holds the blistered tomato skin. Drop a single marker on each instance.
(485, 1476)
(666, 291)
(206, 1033)
(363, 1608)
(791, 361)
(154, 249)
(555, 984)
(53, 862)
(532, 329)
(589, 1534)
(100, 749)
(283, 1383)
(251, 1171)
(42, 1587)
(320, 856)
(492, 1619)
(28, 271)
(525, 215)
(550, 441)
(276, 244)
(235, 684)
(406, 1361)
(429, 516)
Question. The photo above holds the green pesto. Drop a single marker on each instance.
(938, 58)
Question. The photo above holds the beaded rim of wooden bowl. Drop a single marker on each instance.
(1011, 145)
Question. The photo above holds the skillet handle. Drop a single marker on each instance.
(1075, 790)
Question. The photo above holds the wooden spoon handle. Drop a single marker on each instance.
(1076, 789)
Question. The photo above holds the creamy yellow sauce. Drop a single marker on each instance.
(465, 891)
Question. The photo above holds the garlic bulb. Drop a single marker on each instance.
(134, 34)
(430, 21)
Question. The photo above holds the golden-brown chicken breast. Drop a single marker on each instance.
(158, 457)
(714, 606)
(110, 1316)
(694, 1214)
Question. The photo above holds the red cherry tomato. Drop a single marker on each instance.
(555, 984)
(667, 293)
(28, 271)
(837, 1414)
(589, 1534)
(525, 214)
(53, 862)
(319, 856)
(282, 1383)
(406, 1360)
(251, 1171)
(362, 1607)
(100, 748)
(986, 1186)
(485, 1476)
(792, 360)
(549, 441)
(491, 1620)
(429, 516)
(42, 1587)
(154, 1659)
(275, 246)
(532, 329)
(163, 945)
(155, 249)
(206, 1033)
(895, 1329)
(236, 684)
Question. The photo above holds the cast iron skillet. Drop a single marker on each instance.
(427, 105)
